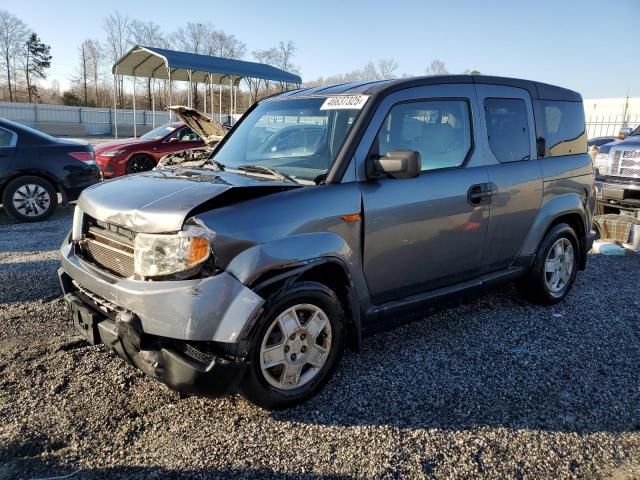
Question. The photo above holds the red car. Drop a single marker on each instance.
(132, 155)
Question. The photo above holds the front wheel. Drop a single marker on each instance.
(298, 345)
(29, 199)
(555, 267)
(140, 163)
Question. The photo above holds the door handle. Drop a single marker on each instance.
(480, 194)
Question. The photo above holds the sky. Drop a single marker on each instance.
(589, 46)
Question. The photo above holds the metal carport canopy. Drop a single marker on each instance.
(155, 62)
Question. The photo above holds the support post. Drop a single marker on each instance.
(220, 102)
(115, 103)
(211, 93)
(153, 104)
(230, 98)
(170, 101)
(135, 131)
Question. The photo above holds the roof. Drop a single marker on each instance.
(538, 91)
(154, 62)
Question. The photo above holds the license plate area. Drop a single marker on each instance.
(85, 321)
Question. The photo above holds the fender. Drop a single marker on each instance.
(557, 206)
(286, 252)
(289, 258)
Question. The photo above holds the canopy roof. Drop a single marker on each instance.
(155, 62)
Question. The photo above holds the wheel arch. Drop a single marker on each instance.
(35, 173)
(329, 271)
(569, 209)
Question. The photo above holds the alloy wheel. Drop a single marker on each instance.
(295, 347)
(31, 200)
(140, 164)
(559, 265)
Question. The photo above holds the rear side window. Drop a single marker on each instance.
(7, 138)
(561, 125)
(507, 128)
(439, 130)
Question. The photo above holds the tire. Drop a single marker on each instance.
(29, 199)
(140, 163)
(555, 267)
(302, 361)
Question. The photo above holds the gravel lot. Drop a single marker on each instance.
(492, 388)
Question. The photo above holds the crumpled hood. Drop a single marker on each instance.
(159, 201)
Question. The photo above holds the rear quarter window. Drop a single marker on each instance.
(561, 125)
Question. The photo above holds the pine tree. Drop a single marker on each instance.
(36, 60)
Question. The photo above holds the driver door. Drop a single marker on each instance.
(426, 232)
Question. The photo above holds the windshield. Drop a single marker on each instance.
(636, 131)
(296, 137)
(158, 133)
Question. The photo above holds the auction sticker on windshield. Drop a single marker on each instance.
(345, 102)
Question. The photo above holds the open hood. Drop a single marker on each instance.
(209, 130)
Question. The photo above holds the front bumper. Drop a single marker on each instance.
(162, 359)
(618, 192)
(217, 308)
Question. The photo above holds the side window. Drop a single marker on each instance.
(7, 138)
(507, 128)
(561, 125)
(188, 135)
(439, 130)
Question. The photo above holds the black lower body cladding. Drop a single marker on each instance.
(175, 363)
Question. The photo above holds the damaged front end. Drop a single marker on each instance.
(159, 302)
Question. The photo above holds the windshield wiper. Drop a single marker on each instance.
(219, 166)
(262, 169)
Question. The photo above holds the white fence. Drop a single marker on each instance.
(65, 120)
(609, 125)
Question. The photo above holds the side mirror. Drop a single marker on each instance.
(624, 133)
(174, 139)
(398, 164)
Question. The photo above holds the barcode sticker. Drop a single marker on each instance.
(345, 102)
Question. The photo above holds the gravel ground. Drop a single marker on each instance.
(492, 388)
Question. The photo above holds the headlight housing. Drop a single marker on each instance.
(164, 255)
(601, 163)
(112, 153)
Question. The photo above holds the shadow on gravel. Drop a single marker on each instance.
(24, 461)
(461, 368)
(29, 281)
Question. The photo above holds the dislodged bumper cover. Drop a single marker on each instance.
(215, 308)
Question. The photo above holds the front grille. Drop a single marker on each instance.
(625, 163)
(108, 247)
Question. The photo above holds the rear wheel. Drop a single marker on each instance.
(140, 163)
(555, 267)
(29, 199)
(298, 345)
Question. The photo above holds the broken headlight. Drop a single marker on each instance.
(163, 255)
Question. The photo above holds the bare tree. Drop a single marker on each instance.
(83, 74)
(194, 38)
(436, 67)
(13, 34)
(148, 34)
(116, 27)
(93, 51)
(225, 45)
